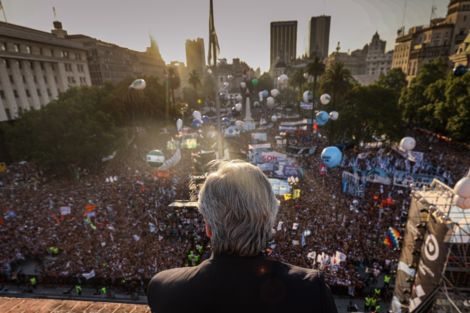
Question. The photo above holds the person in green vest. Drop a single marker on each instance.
(377, 292)
(33, 282)
(367, 303)
(387, 281)
(373, 302)
(78, 289)
(103, 290)
(377, 309)
(200, 249)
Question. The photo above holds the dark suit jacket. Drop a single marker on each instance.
(230, 283)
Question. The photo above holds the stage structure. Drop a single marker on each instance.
(433, 271)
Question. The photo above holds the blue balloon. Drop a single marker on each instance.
(322, 118)
(226, 121)
(460, 70)
(265, 93)
(206, 120)
(222, 96)
(196, 124)
(331, 156)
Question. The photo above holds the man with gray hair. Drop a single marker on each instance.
(239, 207)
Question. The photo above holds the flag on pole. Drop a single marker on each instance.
(89, 275)
(214, 48)
(287, 196)
(392, 238)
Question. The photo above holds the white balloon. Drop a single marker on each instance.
(408, 143)
(306, 75)
(270, 102)
(261, 96)
(238, 107)
(240, 124)
(197, 115)
(334, 115)
(138, 84)
(283, 78)
(230, 78)
(325, 99)
(274, 118)
(239, 98)
(243, 85)
(179, 124)
(275, 93)
(226, 84)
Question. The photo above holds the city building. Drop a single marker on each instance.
(425, 43)
(183, 73)
(319, 36)
(35, 66)
(195, 56)
(462, 57)
(110, 62)
(354, 61)
(283, 40)
(236, 70)
(378, 61)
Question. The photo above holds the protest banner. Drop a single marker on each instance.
(259, 146)
(272, 156)
(292, 129)
(323, 169)
(412, 156)
(232, 131)
(373, 145)
(266, 167)
(280, 187)
(284, 171)
(90, 208)
(404, 179)
(301, 151)
(65, 210)
(259, 136)
(171, 162)
(306, 106)
(295, 226)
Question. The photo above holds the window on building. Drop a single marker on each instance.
(7, 112)
(42, 65)
(27, 93)
(28, 49)
(16, 47)
(2, 94)
(40, 51)
(20, 66)
(3, 46)
(65, 54)
(6, 63)
(15, 93)
(39, 92)
(11, 79)
(49, 93)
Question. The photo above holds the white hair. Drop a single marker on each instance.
(238, 203)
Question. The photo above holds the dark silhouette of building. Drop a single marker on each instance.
(319, 36)
(283, 37)
(195, 55)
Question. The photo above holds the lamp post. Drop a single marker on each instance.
(112, 181)
(293, 183)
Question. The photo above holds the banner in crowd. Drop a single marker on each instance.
(188, 133)
(259, 136)
(362, 155)
(302, 122)
(273, 156)
(284, 171)
(171, 162)
(306, 106)
(408, 256)
(89, 275)
(259, 146)
(280, 187)
(432, 262)
(378, 175)
(292, 129)
(65, 210)
(340, 257)
(232, 131)
(190, 143)
(300, 151)
(412, 156)
(352, 185)
(404, 179)
(373, 145)
(265, 167)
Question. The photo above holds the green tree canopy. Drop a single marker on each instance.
(395, 79)
(265, 82)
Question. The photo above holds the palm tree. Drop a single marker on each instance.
(297, 80)
(194, 80)
(174, 82)
(337, 81)
(315, 68)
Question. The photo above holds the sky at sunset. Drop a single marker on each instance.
(243, 27)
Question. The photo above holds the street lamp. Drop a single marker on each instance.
(293, 183)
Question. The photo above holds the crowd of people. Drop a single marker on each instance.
(130, 232)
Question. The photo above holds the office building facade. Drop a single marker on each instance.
(319, 36)
(283, 39)
(195, 56)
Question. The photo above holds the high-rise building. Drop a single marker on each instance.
(36, 66)
(195, 56)
(319, 36)
(283, 38)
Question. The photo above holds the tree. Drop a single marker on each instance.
(395, 79)
(315, 68)
(367, 113)
(413, 99)
(72, 130)
(265, 82)
(174, 82)
(194, 80)
(337, 81)
(209, 87)
(297, 80)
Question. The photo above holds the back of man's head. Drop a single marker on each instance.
(238, 203)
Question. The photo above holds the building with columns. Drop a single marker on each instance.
(35, 67)
(425, 43)
(378, 61)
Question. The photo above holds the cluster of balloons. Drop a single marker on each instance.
(331, 156)
(323, 116)
(138, 84)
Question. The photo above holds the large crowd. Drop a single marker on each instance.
(134, 233)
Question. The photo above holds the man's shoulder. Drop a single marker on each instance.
(176, 275)
(297, 272)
